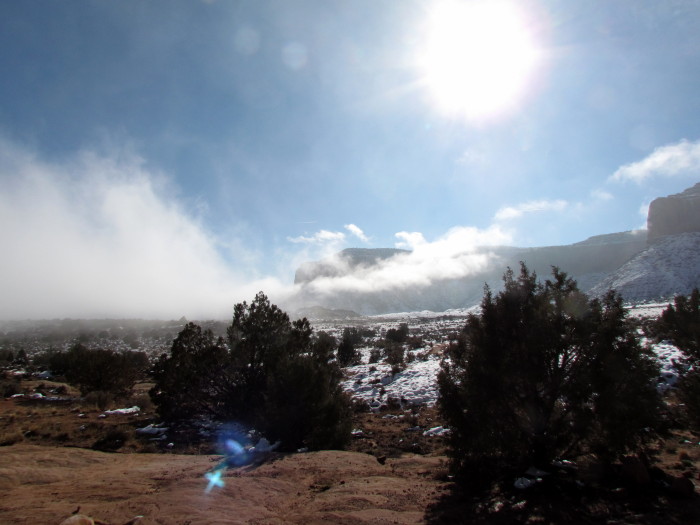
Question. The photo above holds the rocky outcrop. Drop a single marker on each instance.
(668, 267)
(679, 213)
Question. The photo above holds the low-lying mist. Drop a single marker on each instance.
(101, 236)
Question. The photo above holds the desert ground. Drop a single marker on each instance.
(49, 466)
(45, 484)
(57, 458)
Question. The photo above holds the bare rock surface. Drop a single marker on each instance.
(679, 213)
(45, 484)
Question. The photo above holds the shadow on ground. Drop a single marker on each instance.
(558, 499)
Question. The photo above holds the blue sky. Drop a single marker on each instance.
(159, 157)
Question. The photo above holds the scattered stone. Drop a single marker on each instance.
(564, 464)
(437, 431)
(524, 483)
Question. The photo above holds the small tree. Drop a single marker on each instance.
(347, 353)
(542, 373)
(274, 376)
(100, 369)
(395, 356)
(397, 335)
(680, 323)
(191, 381)
(324, 346)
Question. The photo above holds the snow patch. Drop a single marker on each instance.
(123, 411)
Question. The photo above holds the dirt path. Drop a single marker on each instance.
(43, 484)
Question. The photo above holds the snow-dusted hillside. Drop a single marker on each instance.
(666, 268)
(417, 385)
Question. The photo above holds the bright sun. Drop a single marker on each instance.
(479, 57)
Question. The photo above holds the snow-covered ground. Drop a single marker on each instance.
(667, 355)
(417, 385)
(375, 384)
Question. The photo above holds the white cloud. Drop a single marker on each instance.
(514, 212)
(320, 237)
(453, 255)
(100, 236)
(357, 232)
(667, 161)
(409, 240)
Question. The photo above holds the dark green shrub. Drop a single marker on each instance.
(397, 335)
(395, 355)
(541, 373)
(305, 407)
(192, 380)
(680, 323)
(103, 370)
(274, 376)
(347, 354)
(325, 346)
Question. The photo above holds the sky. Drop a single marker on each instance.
(166, 158)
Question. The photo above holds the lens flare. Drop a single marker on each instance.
(232, 443)
(214, 479)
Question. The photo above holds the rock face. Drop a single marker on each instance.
(668, 267)
(679, 213)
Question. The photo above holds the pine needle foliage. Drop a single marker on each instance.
(270, 373)
(542, 372)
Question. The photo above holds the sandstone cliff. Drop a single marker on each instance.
(679, 213)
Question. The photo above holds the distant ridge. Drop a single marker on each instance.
(642, 265)
(319, 313)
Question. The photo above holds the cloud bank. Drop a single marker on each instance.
(456, 254)
(666, 161)
(100, 236)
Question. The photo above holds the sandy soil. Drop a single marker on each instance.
(45, 484)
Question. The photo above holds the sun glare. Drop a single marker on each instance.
(478, 57)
